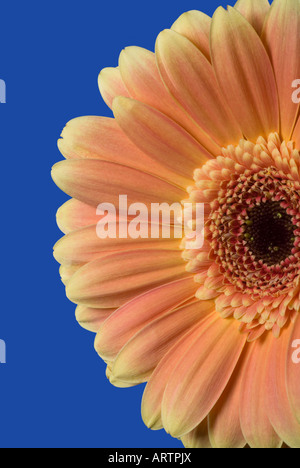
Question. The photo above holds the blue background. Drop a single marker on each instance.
(53, 389)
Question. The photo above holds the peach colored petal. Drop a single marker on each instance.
(111, 85)
(86, 180)
(94, 137)
(139, 312)
(155, 388)
(244, 73)
(200, 376)
(140, 73)
(92, 319)
(255, 11)
(74, 215)
(84, 245)
(293, 370)
(198, 437)
(190, 78)
(195, 26)
(161, 138)
(224, 419)
(101, 138)
(111, 281)
(278, 406)
(139, 357)
(256, 426)
(281, 36)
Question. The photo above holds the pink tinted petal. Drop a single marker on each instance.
(198, 437)
(161, 138)
(244, 73)
(279, 409)
(138, 313)
(200, 376)
(195, 26)
(293, 369)
(256, 426)
(224, 419)
(86, 180)
(111, 85)
(281, 36)
(92, 319)
(139, 357)
(111, 281)
(255, 11)
(190, 78)
(154, 391)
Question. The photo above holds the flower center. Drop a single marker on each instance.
(250, 261)
(269, 232)
(254, 232)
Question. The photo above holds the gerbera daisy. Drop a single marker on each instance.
(208, 118)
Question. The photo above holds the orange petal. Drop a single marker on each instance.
(92, 319)
(244, 73)
(281, 36)
(200, 376)
(84, 245)
(138, 313)
(278, 406)
(293, 369)
(139, 357)
(190, 78)
(195, 26)
(256, 426)
(224, 419)
(255, 11)
(111, 85)
(161, 138)
(86, 180)
(198, 437)
(111, 281)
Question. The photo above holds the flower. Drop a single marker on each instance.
(209, 118)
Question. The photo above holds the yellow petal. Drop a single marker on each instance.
(195, 26)
(111, 85)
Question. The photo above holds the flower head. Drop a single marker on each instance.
(208, 118)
